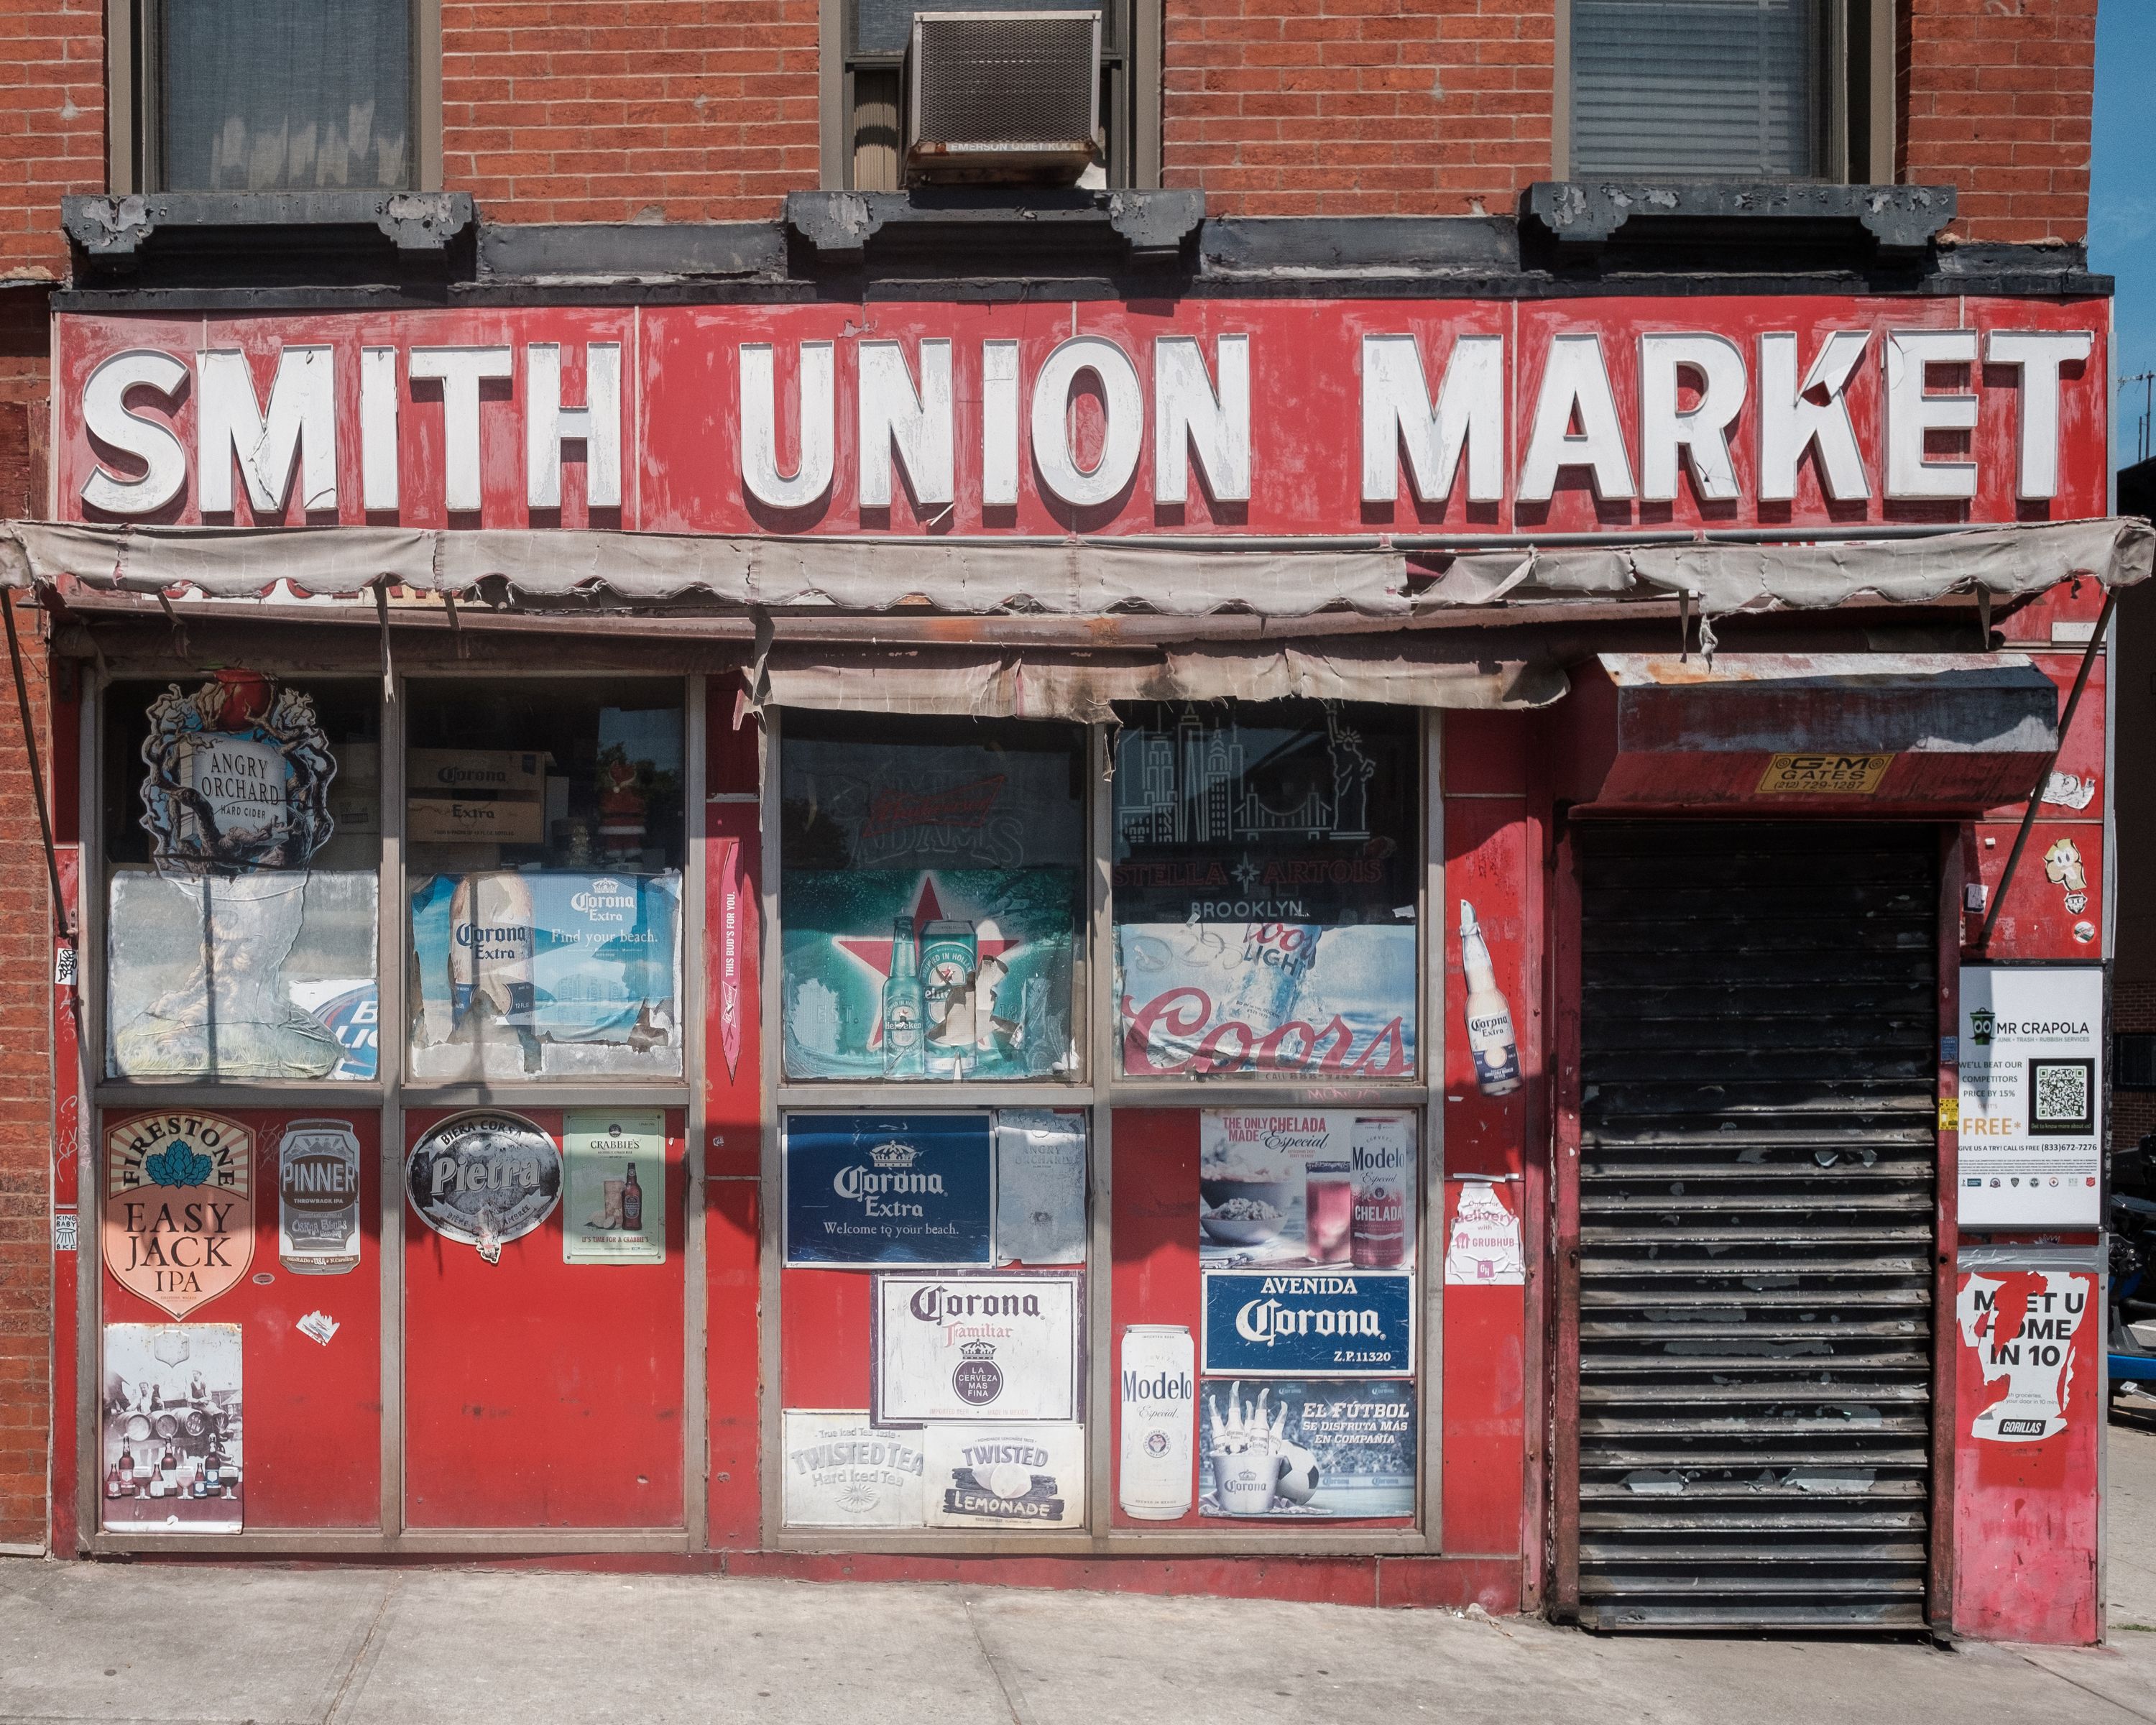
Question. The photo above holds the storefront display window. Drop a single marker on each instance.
(929, 899)
(1265, 889)
(242, 840)
(933, 1313)
(544, 830)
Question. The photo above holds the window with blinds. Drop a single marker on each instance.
(876, 35)
(1700, 90)
(279, 95)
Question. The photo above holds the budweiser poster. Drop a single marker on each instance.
(1321, 1187)
(1307, 1451)
(1264, 891)
(1005, 1477)
(171, 1435)
(890, 1190)
(843, 1472)
(179, 1207)
(978, 1347)
(928, 897)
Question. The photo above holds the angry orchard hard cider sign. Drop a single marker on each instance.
(179, 1207)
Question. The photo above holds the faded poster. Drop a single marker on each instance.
(2022, 1325)
(171, 1429)
(546, 973)
(1040, 1186)
(1313, 1186)
(843, 1472)
(613, 1165)
(1482, 1249)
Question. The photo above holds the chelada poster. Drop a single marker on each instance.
(179, 1207)
(1005, 1477)
(840, 1472)
(1319, 1187)
(1264, 892)
(235, 800)
(484, 1178)
(1303, 1450)
(865, 1189)
(172, 1429)
(1003, 1347)
(2032, 1070)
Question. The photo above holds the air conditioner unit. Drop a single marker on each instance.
(1010, 98)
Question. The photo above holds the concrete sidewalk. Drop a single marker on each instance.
(118, 1644)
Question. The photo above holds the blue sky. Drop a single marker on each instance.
(2122, 194)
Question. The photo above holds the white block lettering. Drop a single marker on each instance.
(811, 477)
(298, 430)
(105, 418)
(460, 370)
(1469, 419)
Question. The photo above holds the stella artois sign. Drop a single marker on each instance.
(179, 1207)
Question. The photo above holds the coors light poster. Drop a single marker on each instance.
(1264, 892)
(927, 902)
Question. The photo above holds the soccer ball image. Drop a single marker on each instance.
(1298, 1481)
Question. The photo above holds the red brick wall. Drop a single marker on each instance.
(1357, 107)
(26, 1074)
(52, 127)
(685, 110)
(1997, 98)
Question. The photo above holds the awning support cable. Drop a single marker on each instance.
(2044, 779)
(60, 917)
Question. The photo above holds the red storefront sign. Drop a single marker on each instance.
(1212, 416)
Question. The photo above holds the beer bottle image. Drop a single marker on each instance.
(632, 1200)
(112, 1481)
(950, 957)
(1490, 1038)
(904, 1007)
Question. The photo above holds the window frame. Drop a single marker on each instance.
(131, 128)
(1854, 124)
(1131, 108)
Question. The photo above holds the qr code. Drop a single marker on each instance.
(2060, 1095)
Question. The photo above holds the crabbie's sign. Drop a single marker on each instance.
(1212, 416)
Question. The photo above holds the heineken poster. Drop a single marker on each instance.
(960, 974)
(840, 1472)
(1005, 1477)
(170, 1438)
(1003, 1347)
(1281, 1324)
(864, 1189)
(1297, 1450)
(546, 973)
(1265, 889)
(615, 1170)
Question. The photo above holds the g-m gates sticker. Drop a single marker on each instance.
(1277, 1324)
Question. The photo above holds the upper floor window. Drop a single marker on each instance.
(1706, 89)
(276, 96)
(873, 78)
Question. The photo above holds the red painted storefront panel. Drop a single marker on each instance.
(1153, 1185)
(539, 1394)
(2037, 918)
(681, 409)
(311, 1436)
(2028, 1431)
(733, 1114)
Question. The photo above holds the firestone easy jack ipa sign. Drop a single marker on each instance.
(179, 1207)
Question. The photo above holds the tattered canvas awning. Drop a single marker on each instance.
(1075, 577)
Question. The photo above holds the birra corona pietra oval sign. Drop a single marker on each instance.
(179, 1207)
